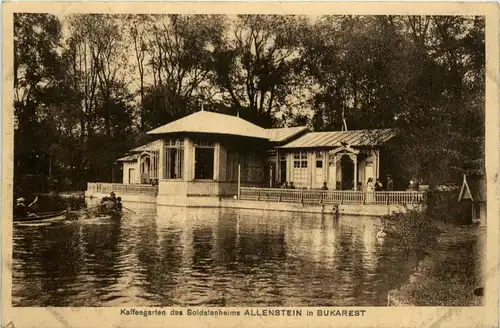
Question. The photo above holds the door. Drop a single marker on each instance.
(319, 170)
(131, 176)
(283, 170)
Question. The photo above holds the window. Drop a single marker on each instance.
(300, 160)
(204, 159)
(174, 159)
(319, 164)
(204, 163)
(153, 169)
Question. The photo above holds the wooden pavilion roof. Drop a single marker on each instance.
(331, 139)
(128, 158)
(284, 134)
(213, 123)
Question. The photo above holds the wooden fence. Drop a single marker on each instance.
(136, 189)
(311, 196)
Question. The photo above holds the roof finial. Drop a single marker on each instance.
(238, 112)
(202, 107)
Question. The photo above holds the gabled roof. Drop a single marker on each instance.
(128, 158)
(284, 134)
(153, 145)
(213, 123)
(331, 139)
(473, 189)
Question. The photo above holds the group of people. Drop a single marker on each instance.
(110, 204)
(374, 186)
(285, 185)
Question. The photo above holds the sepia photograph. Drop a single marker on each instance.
(248, 164)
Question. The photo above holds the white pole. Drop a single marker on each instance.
(239, 180)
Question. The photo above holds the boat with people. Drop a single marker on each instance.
(109, 208)
(27, 215)
(45, 217)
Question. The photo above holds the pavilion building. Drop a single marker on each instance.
(201, 157)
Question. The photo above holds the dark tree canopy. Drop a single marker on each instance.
(87, 89)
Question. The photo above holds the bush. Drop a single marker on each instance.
(443, 206)
(414, 230)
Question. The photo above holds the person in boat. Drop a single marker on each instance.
(20, 210)
(107, 205)
(112, 197)
(119, 204)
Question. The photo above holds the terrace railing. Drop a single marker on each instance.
(135, 189)
(311, 196)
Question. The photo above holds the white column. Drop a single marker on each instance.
(188, 160)
(216, 161)
(311, 169)
(137, 175)
(289, 167)
(161, 160)
(355, 173)
(325, 167)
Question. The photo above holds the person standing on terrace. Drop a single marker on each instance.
(390, 183)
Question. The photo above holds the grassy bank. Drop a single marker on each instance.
(450, 272)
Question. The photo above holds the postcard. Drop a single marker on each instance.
(243, 164)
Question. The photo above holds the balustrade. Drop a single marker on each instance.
(118, 188)
(311, 196)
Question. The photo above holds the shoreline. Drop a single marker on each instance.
(64, 194)
(430, 285)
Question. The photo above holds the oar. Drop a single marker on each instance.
(33, 202)
(128, 209)
(90, 208)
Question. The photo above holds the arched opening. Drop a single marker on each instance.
(347, 173)
(145, 165)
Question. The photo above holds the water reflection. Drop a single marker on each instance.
(177, 256)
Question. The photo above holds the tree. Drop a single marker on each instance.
(258, 67)
(97, 78)
(355, 62)
(442, 121)
(180, 55)
(140, 25)
(421, 76)
(36, 73)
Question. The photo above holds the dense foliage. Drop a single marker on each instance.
(89, 86)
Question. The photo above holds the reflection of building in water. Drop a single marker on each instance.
(312, 238)
(197, 237)
(370, 241)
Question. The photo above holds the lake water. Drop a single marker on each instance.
(164, 256)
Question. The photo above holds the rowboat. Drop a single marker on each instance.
(45, 217)
(115, 215)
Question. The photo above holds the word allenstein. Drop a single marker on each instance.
(274, 312)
